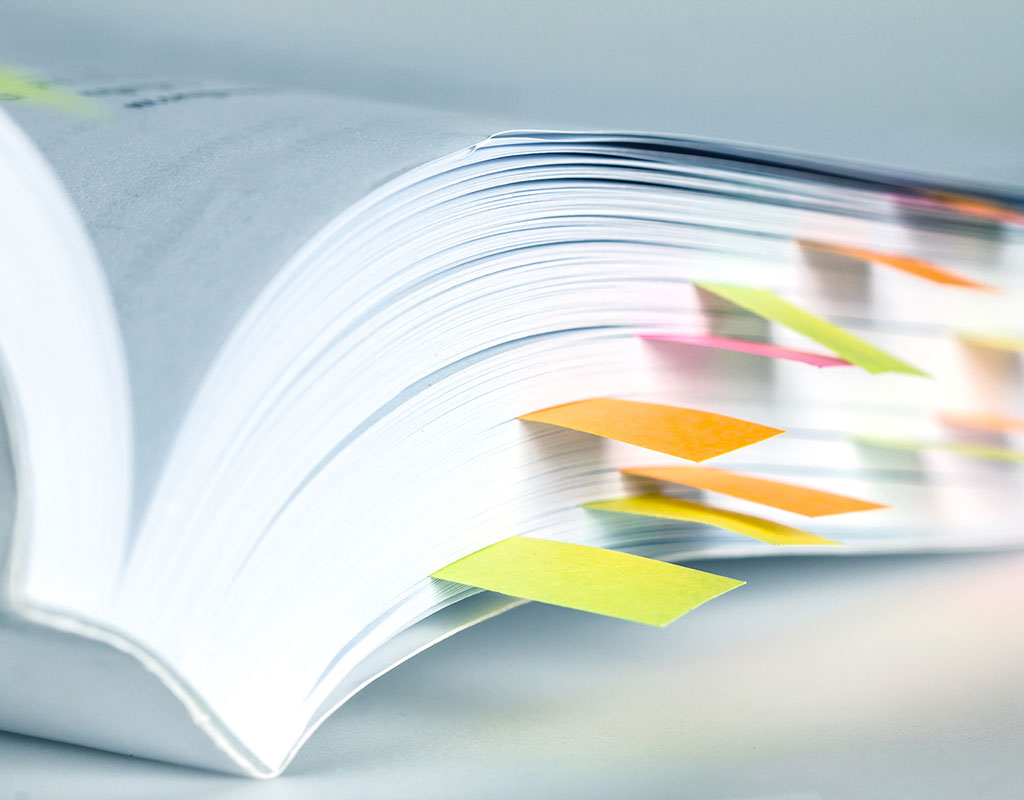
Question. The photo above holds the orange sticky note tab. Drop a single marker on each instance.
(656, 505)
(997, 423)
(684, 432)
(913, 266)
(976, 207)
(788, 497)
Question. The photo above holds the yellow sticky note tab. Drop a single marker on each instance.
(656, 505)
(960, 448)
(994, 341)
(684, 432)
(787, 496)
(912, 266)
(588, 579)
(16, 86)
(770, 306)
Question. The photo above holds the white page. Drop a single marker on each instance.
(196, 194)
(8, 497)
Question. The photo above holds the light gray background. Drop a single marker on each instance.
(924, 84)
(837, 678)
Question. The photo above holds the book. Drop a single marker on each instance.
(273, 359)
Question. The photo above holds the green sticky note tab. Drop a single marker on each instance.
(588, 579)
(656, 505)
(770, 306)
(987, 452)
(17, 86)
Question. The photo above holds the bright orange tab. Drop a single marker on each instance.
(684, 432)
(655, 505)
(914, 266)
(999, 423)
(798, 499)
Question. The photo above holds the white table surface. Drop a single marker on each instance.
(825, 677)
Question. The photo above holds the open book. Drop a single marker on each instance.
(265, 356)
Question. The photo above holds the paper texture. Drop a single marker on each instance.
(684, 432)
(588, 578)
(786, 496)
(766, 349)
(770, 306)
(656, 505)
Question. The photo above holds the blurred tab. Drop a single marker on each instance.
(981, 451)
(912, 266)
(16, 86)
(976, 207)
(994, 423)
(1009, 343)
(765, 349)
(656, 505)
(784, 496)
(770, 306)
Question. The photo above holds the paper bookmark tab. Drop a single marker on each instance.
(786, 496)
(770, 306)
(765, 349)
(912, 266)
(994, 341)
(19, 87)
(996, 423)
(986, 452)
(976, 207)
(656, 505)
(684, 432)
(588, 579)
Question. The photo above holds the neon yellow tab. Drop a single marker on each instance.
(656, 505)
(17, 86)
(770, 306)
(684, 432)
(588, 579)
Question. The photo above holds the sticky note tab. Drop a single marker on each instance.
(656, 505)
(588, 579)
(770, 306)
(788, 497)
(684, 432)
(976, 207)
(994, 341)
(997, 423)
(912, 266)
(17, 86)
(960, 448)
(765, 349)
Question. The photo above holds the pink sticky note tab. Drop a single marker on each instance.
(754, 348)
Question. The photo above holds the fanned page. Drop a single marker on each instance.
(367, 344)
